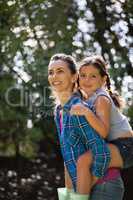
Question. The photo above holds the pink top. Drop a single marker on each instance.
(112, 173)
(60, 121)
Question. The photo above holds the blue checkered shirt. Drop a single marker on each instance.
(77, 137)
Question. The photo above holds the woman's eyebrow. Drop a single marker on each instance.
(50, 70)
(57, 68)
(60, 67)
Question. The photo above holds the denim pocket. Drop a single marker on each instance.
(110, 190)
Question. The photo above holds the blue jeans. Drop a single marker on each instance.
(110, 190)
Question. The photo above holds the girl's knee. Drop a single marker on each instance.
(85, 159)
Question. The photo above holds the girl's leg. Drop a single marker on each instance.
(116, 159)
(85, 180)
(84, 177)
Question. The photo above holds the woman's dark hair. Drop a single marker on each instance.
(99, 63)
(66, 58)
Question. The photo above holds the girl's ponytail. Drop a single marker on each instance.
(114, 95)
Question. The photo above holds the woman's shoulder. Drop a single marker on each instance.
(76, 98)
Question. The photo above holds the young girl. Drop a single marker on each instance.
(106, 119)
(76, 136)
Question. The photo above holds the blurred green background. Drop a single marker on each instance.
(31, 31)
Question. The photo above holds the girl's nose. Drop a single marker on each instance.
(87, 78)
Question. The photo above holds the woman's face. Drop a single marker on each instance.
(60, 77)
(90, 79)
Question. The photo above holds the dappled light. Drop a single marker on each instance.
(30, 33)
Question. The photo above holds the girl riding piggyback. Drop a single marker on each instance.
(104, 116)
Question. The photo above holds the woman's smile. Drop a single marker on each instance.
(60, 77)
(56, 83)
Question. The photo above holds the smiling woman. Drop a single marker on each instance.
(62, 76)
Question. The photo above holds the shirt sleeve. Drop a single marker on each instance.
(83, 128)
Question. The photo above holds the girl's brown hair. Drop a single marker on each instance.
(99, 63)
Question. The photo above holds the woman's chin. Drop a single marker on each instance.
(60, 90)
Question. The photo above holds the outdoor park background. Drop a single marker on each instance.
(31, 31)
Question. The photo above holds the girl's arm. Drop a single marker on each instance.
(101, 121)
(68, 182)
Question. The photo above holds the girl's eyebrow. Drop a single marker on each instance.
(92, 73)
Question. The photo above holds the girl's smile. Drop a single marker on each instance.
(90, 79)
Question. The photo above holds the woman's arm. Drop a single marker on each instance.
(68, 182)
(101, 121)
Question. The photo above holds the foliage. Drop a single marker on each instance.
(30, 33)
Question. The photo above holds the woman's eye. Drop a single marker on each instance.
(93, 76)
(50, 73)
(60, 71)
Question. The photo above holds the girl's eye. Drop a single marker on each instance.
(93, 76)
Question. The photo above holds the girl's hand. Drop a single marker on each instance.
(79, 109)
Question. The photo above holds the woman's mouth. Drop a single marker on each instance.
(56, 83)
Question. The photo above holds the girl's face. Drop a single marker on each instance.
(90, 79)
(60, 77)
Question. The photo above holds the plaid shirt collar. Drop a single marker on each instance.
(66, 108)
(69, 103)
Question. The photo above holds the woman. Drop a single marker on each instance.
(75, 134)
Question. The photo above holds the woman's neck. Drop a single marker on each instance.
(64, 97)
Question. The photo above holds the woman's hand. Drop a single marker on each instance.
(79, 109)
